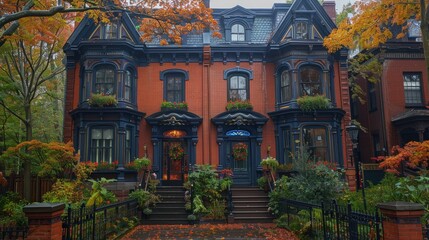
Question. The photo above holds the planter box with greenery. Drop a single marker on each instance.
(238, 105)
(101, 100)
(312, 103)
(165, 106)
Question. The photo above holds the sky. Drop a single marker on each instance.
(263, 3)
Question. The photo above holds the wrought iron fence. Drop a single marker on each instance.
(9, 233)
(426, 231)
(99, 223)
(330, 221)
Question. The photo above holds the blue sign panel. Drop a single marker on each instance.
(241, 133)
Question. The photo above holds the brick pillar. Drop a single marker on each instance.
(401, 220)
(44, 220)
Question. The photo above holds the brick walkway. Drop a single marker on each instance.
(257, 231)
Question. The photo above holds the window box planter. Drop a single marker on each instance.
(238, 105)
(101, 100)
(166, 106)
(313, 103)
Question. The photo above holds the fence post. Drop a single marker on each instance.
(44, 220)
(401, 220)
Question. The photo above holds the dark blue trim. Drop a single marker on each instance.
(237, 70)
(169, 71)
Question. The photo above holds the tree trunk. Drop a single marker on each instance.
(27, 162)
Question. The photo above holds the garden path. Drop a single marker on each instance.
(256, 231)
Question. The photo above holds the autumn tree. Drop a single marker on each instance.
(413, 155)
(372, 25)
(30, 64)
(158, 18)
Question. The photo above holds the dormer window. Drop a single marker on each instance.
(110, 31)
(238, 33)
(301, 30)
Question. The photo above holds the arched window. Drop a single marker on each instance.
(285, 87)
(238, 33)
(105, 81)
(310, 81)
(238, 87)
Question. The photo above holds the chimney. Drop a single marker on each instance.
(207, 3)
(329, 7)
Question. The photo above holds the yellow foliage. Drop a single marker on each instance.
(369, 27)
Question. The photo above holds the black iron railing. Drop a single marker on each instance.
(331, 221)
(99, 223)
(7, 233)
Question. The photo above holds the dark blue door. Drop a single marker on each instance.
(239, 156)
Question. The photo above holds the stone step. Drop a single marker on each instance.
(253, 219)
(180, 209)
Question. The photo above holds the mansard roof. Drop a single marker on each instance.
(320, 19)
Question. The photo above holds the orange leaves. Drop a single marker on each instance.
(369, 27)
(173, 19)
(413, 154)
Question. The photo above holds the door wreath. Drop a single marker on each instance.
(176, 152)
(239, 152)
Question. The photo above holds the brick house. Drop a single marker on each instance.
(269, 57)
(395, 111)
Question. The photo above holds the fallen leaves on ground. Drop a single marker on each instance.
(257, 231)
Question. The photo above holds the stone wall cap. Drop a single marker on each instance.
(43, 207)
(401, 206)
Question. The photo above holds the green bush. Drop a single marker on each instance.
(311, 103)
(11, 213)
(316, 184)
(145, 199)
(279, 193)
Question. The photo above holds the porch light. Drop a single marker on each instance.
(353, 132)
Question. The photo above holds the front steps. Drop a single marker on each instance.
(250, 205)
(171, 209)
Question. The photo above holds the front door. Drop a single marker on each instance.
(239, 156)
(174, 162)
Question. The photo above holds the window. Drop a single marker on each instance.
(285, 87)
(238, 88)
(238, 33)
(287, 147)
(110, 31)
(174, 87)
(376, 145)
(408, 135)
(127, 146)
(310, 81)
(412, 89)
(301, 31)
(315, 142)
(105, 81)
(101, 145)
(129, 79)
(372, 97)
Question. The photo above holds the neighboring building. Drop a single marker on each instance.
(269, 57)
(395, 111)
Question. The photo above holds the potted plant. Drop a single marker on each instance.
(176, 151)
(312, 103)
(192, 218)
(102, 100)
(142, 163)
(239, 152)
(270, 163)
(238, 105)
(166, 105)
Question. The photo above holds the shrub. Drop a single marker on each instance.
(311, 103)
(145, 199)
(11, 213)
(279, 193)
